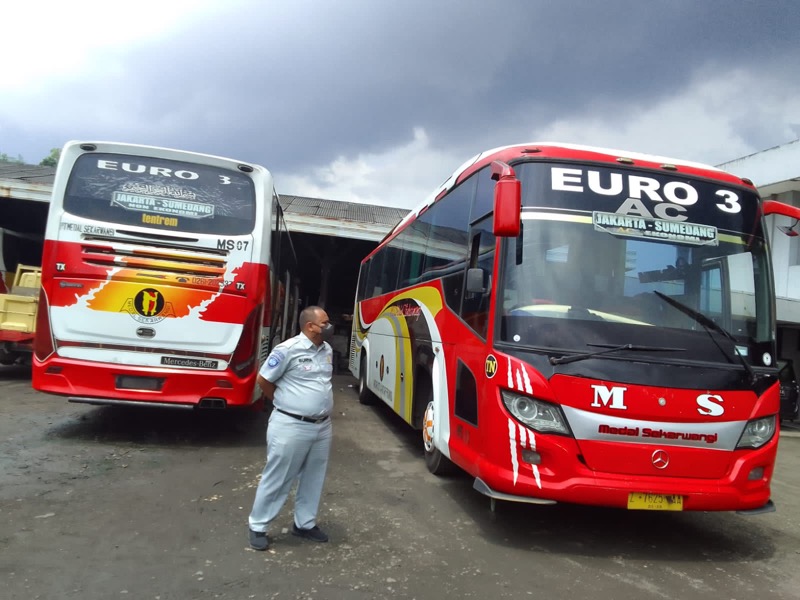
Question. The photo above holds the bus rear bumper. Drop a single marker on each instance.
(117, 402)
(103, 384)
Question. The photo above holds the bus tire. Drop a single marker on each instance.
(436, 462)
(365, 395)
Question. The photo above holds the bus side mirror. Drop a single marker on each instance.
(507, 200)
(475, 281)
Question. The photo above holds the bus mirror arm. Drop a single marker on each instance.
(507, 200)
(773, 207)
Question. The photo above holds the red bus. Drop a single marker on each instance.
(582, 325)
(159, 278)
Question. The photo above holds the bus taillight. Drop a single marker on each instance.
(43, 345)
(244, 357)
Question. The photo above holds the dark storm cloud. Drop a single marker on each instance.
(300, 83)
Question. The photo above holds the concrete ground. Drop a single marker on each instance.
(104, 502)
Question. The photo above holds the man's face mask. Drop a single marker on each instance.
(327, 332)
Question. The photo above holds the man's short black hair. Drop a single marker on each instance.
(308, 314)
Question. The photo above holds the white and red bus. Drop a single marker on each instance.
(583, 325)
(156, 278)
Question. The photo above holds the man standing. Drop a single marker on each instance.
(297, 379)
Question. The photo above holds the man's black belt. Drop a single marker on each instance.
(302, 418)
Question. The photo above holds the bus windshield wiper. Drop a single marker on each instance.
(562, 360)
(710, 325)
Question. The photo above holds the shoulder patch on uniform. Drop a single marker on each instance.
(275, 358)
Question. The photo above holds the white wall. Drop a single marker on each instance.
(776, 174)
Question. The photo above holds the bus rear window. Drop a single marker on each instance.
(161, 194)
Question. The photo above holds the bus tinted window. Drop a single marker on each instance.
(448, 220)
(475, 306)
(159, 193)
(484, 196)
(375, 283)
(412, 241)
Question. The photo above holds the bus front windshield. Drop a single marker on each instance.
(580, 281)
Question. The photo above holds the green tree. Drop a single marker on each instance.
(52, 160)
(7, 159)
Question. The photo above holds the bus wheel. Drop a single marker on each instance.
(8, 358)
(437, 463)
(365, 395)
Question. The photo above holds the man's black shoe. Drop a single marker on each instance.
(315, 534)
(258, 540)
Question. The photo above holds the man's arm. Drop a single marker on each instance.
(267, 387)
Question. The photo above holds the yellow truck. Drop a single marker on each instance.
(18, 315)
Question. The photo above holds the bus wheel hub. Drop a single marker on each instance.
(427, 428)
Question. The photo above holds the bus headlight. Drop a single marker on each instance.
(757, 432)
(536, 414)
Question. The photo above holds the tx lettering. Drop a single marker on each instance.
(610, 398)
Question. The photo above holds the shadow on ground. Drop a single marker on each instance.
(164, 427)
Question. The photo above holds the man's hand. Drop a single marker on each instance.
(267, 388)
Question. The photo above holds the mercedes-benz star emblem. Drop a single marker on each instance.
(660, 459)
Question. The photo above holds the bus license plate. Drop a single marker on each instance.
(641, 501)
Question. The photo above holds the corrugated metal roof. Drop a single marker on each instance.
(349, 211)
(26, 182)
(340, 219)
(27, 173)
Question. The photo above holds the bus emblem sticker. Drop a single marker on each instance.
(148, 306)
(490, 368)
(148, 302)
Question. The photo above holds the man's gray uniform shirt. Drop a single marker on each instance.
(302, 372)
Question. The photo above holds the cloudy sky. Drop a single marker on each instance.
(379, 101)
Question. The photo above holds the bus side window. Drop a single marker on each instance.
(448, 241)
(362, 280)
(484, 194)
(475, 305)
(412, 242)
(391, 268)
(374, 274)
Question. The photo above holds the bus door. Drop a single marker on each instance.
(475, 364)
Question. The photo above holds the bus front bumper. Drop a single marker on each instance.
(739, 480)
